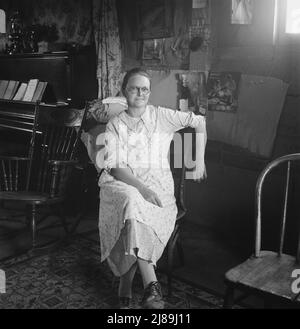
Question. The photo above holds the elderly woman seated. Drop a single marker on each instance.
(138, 209)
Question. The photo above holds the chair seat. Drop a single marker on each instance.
(28, 197)
(268, 273)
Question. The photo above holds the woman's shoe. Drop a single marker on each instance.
(153, 297)
(125, 303)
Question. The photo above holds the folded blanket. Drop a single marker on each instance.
(103, 110)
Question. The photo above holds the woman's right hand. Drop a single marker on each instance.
(150, 196)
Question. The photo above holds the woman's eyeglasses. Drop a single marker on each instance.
(140, 90)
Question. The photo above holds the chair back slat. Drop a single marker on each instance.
(44, 147)
(4, 175)
(58, 141)
(17, 175)
(52, 139)
(283, 220)
(69, 145)
(11, 171)
(63, 150)
(258, 202)
(32, 145)
(10, 176)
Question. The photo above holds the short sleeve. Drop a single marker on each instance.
(115, 154)
(173, 120)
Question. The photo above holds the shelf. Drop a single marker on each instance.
(10, 101)
(70, 75)
(36, 55)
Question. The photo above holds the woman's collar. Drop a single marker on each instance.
(131, 121)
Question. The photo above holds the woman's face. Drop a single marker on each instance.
(137, 91)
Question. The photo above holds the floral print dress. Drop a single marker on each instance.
(130, 226)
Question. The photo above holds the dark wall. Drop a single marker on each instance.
(178, 12)
(225, 201)
(260, 32)
(255, 50)
(71, 17)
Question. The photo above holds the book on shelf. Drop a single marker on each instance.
(32, 85)
(11, 89)
(3, 87)
(20, 92)
(38, 94)
(15, 88)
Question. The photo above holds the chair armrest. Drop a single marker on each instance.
(58, 163)
(13, 158)
(181, 201)
(63, 163)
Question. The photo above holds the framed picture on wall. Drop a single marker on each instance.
(222, 91)
(154, 19)
(241, 11)
(153, 49)
(192, 92)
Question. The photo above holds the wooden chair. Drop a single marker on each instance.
(174, 244)
(40, 180)
(267, 273)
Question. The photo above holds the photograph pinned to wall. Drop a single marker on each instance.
(199, 4)
(153, 50)
(192, 92)
(200, 37)
(241, 11)
(154, 19)
(222, 91)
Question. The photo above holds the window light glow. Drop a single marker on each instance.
(293, 16)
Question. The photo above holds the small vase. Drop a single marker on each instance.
(43, 46)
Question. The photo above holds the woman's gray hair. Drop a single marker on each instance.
(131, 73)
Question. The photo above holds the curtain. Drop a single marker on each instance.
(108, 47)
(2, 21)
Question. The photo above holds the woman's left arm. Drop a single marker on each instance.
(199, 171)
(173, 121)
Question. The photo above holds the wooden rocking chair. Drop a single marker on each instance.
(39, 181)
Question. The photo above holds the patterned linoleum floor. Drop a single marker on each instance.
(73, 277)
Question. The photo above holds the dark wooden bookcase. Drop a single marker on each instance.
(71, 76)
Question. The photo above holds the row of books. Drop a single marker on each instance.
(31, 91)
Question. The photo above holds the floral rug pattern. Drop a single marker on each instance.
(73, 278)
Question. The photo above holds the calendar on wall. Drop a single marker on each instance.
(200, 36)
(200, 27)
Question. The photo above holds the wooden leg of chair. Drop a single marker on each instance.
(180, 252)
(171, 247)
(229, 296)
(169, 271)
(33, 225)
